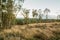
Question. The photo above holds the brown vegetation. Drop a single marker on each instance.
(33, 31)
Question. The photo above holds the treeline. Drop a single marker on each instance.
(34, 20)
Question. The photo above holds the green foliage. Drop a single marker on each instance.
(23, 21)
(33, 20)
(7, 15)
(46, 11)
(34, 12)
(25, 13)
(19, 21)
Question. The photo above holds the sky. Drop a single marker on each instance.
(53, 5)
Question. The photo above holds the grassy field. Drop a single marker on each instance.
(40, 31)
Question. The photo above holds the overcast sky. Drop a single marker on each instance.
(53, 5)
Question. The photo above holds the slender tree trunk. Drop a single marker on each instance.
(26, 21)
(47, 18)
(0, 13)
(57, 18)
(40, 19)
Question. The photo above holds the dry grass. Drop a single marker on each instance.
(40, 31)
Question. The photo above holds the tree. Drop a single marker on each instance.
(0, 13)
(58, 17)
(25, 13)
(7, 13)
(34, 13)
(17, 7)
(7, 9)
(40, 15)
(46, 11)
